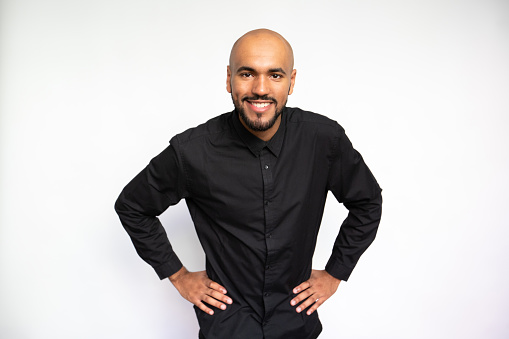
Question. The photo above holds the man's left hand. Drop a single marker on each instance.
(315, 291)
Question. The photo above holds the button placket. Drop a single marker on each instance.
(267, 176)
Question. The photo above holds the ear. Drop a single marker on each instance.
(228, 79)
(292, 81)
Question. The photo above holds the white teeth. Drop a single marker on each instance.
(260, 105)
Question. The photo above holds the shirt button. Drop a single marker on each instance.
(266, 166)
(269, 235)
(266, 294)
(267, 267)
(266, 202)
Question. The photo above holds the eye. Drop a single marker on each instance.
(277, 76)
(246, 75)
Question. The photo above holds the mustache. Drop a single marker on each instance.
(259, 97)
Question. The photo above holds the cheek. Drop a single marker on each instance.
(282, 93)
(238, 89)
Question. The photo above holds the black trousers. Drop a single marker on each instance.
(200, 335)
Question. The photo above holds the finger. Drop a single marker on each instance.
(215, 286)
(204, 308)
(214, 302)
(219, 296)
(301, 287)
(306, 303)
(301, 296)
(318, 303)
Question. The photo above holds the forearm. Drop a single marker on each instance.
(356, 235)
(148, 237)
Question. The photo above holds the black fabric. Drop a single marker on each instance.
(257, 208)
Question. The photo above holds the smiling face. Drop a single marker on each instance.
(260, 77)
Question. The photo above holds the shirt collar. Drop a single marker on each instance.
(256, 144)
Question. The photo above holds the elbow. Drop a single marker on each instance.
(120, 205)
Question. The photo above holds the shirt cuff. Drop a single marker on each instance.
(169, 268)
(338, 270)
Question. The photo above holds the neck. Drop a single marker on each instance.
(264, 135)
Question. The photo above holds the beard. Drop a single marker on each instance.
(257, 125)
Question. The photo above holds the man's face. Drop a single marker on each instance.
(260, 78)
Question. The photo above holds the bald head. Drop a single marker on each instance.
(262, 39)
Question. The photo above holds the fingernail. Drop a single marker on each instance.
(229, 301)
(309, 313)
(298, 309)
(295, 290)
(223, 307)
(292, 302)
(211, 312)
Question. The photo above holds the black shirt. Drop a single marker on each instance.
(257, 208)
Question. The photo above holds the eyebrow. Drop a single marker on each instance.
(271, 70)
(245, 68)
(277, 70)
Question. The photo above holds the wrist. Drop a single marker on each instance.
(177, 275)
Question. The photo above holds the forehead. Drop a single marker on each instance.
(261, 53)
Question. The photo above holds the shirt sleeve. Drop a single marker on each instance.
(158, 186)
(353, 184)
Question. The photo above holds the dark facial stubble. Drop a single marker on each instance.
(256, 125)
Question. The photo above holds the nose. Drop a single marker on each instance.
(261, 86)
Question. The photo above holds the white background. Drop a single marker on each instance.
(91, 90)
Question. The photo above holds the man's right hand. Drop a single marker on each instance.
(196, 287)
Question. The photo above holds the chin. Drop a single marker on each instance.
(260, 125)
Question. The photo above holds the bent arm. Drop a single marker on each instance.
(150, 193)
(353, 184)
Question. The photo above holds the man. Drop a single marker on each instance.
(255, 181)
